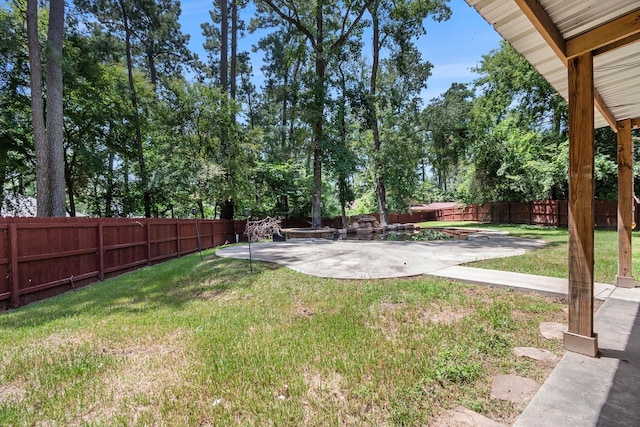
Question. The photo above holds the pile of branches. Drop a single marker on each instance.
(263, 229)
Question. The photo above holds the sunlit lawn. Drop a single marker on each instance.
(193, 342)
(553, 259)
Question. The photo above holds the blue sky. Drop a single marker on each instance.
(453, 46)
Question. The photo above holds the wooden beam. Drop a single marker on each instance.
(580, 336)
(606, 36)
(635, 123)
(547, 29)
(625, 204)
(605, 111)
(550, 33)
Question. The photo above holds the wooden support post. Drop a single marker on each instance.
(625, 204)
(101, 251)
(13, 254)
(580, 337)
(148, 230)
(178, 237)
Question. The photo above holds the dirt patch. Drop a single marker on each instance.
(478, 294)
(443, 315)
(302, 311)
(322, 390)
(64, 339)
(11, 393)
(387, 306)
(387, 317)
(212, 294)
(144, 376)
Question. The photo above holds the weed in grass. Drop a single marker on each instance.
(457, 365)
(493, 343)
(498, 315)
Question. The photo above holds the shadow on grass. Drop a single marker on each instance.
(170, 285)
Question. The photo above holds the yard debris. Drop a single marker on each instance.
(263, 229)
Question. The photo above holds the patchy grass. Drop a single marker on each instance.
(193, 342)
(553, 259)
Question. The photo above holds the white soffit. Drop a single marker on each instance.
(616, 73)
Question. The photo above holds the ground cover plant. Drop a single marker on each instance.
(553, 259)
(193, 342)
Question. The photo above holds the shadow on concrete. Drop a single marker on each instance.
(622, 405)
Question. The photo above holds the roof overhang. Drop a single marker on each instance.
(549, 32)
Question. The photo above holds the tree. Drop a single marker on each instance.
(326, 30)
(16, 145)
(48, 140)
(394, 25)
(447, 120)
(224, 42)
(519, 130)
(150, 35)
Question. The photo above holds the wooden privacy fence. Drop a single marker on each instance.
(42, 257)
(541, 212)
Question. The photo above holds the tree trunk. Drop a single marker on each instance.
(234, 56)
(108, 198)
(293, 111)
(318, 122)
(380, 187)
(224, 46)
(153, 73)
(37, 112)
(283, 120)
(144, 180)
(4, 160)
(68, 169)
(342, 179)
(55, 117)
(227, 209)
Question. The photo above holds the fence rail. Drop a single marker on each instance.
(42, 257)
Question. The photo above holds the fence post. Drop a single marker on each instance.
(13, 254)
(148, 241)
(178, 237)
(100, 251)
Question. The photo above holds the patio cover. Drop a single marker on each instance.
(589, 51)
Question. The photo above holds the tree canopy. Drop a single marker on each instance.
(139, 125)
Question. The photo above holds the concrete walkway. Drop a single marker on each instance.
(581, 391)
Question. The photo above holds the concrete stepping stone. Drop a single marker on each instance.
(514, 388)
(552, 330)
(463, 417)
(541, 355)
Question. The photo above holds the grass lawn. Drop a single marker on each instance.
(193, 342)
(553, 259)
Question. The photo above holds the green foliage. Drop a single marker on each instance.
(281, 190)
(518, 130)
(16, 147)
(447, 120)
(457, 365)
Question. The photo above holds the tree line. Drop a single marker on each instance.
(124, 120)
